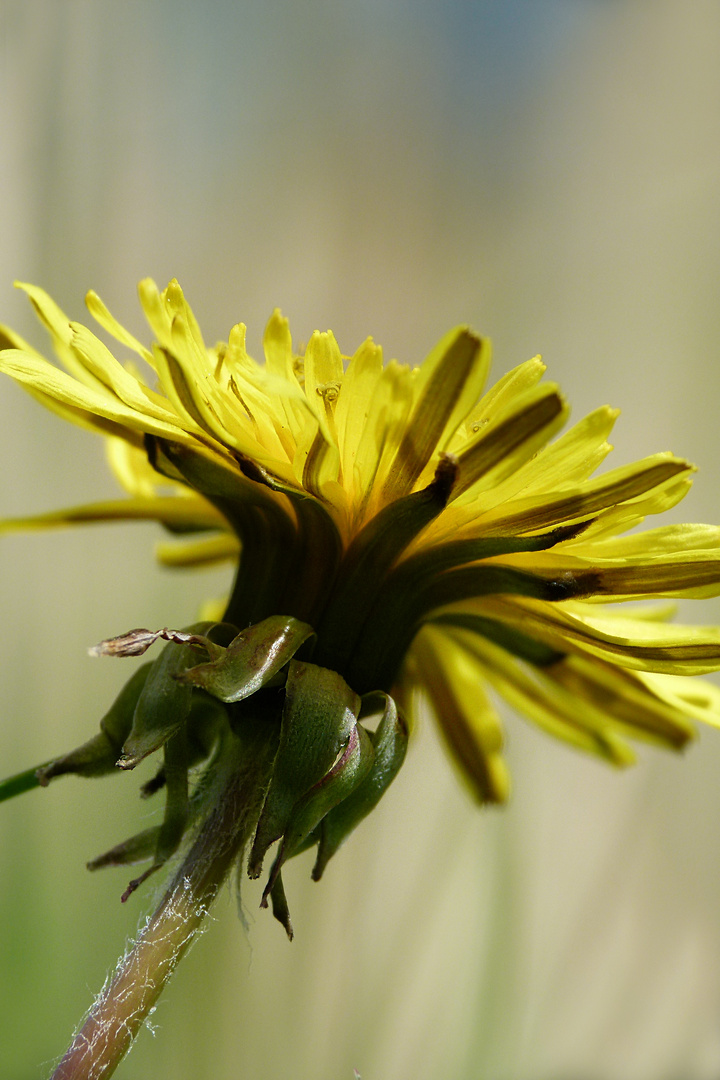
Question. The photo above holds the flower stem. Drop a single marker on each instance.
(131, 993)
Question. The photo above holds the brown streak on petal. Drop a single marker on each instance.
(504, 438)
(652, 578)
(602, 498)
(431, 414)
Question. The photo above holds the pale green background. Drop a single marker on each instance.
(547, 171)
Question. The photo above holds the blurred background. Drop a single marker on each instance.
(545, 171)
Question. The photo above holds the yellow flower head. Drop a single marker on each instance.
(405, 535)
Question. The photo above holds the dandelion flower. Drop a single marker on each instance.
(401, 535)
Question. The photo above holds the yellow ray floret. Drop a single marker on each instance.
(439, 539)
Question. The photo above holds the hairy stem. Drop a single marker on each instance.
(131, 993)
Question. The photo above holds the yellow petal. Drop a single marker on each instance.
(571, 459)
(237, 374)
(680, 573)
(204, 552)
(505, 443)
(323, 366)
(449, 382)
(618, 519)
(317, 460)
(563, 714)
(633, 643)
(83, 418)
(695, 697)
(109, 323)
(665, 540)
(625, 696)
(179, 309)
(355, 405)
(277, 346)
(466, 718)
(501, 396)
(619, 486)
(57, 323)
(156, 311)
(177, 513)
(673, 560)
(100, 362)
(385, 429)
(44, 379)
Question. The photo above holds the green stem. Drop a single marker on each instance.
(24, 781)
(125, 1002)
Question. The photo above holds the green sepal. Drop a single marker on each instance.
(220, 482)
(397, 618)
(390, 740)
(349, 771)
(177, 807)
(280, 908)
(205, 723)
(98, 756)
(315, 558)
(427, 578)
(265, 529)
(164, 703)
(205, 737)
(318, 717)
(177, 802)
(369, 558)
(438, 558)
(316, 549)
(203, 726)
(251, 660)
(136, 849)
